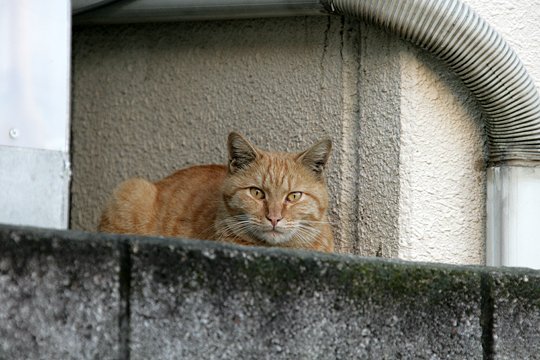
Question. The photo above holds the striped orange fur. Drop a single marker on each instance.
(260, 198)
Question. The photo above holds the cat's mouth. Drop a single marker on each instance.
(274, 236)
(275, 232)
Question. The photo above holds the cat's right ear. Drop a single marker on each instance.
(241, 152)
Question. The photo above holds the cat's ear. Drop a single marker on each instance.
(316, 157)
(241, 152)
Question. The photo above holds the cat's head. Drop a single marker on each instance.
(275, 198)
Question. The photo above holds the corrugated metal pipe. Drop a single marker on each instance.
(453, 32)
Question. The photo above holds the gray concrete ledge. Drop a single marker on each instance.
(515, 298)
(59, 295)
(66, 294)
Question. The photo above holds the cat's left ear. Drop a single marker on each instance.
(316, 157)
(241, 152)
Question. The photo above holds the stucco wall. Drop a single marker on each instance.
(407, 177)
(442, 171)
(442, 167)
(149, 99)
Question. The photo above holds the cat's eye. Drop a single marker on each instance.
(294, 196)
(256, 193)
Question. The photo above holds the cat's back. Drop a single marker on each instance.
(182, 204)
(194, 178)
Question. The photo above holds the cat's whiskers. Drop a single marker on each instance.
(303, 239)
(318, 222)
(234, 226)
(306, 233)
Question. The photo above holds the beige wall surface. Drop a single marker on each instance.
(407, 176)
(442, 167)
(149, 99)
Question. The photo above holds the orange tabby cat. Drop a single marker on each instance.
(260, 198)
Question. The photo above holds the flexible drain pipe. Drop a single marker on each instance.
(454, 33)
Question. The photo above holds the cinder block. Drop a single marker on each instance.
(59, 295)
(516, 313)
(202, 300)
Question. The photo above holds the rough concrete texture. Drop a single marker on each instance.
(201, 300)
(149, 99)
(516, 314)
(59, 296)
(442, 165)
(442, 168)
(66, 294)
(377, 140)
(35, 187)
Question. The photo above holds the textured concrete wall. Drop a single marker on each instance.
(408, 173)
(149, 99)
(80, 295)
(442, 214)
(279, 305)
(59, 297)
(442, 165)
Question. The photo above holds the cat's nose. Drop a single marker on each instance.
(274, 220)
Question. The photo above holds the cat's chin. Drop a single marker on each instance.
(275, 237)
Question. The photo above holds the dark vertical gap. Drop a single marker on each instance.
(124, 326)
(70, 141)
(486, 317)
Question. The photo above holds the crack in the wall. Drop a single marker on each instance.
(349, 153)
(124, 316)
(338, 44)
(326, 43)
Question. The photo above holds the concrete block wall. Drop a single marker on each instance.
(59, 296)
(67, 294)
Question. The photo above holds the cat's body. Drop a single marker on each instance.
(261, 198)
